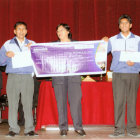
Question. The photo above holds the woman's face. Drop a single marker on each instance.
(62, 33)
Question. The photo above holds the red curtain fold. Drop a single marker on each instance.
(89, 19)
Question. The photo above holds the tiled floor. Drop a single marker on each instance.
(94, 132)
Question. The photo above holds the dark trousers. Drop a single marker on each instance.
(0, 82)
(68, 87)
(125, 88)
(2, 69)
(21, 120)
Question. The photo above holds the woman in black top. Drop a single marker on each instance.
(68, 86)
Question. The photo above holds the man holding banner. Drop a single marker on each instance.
(125, 48)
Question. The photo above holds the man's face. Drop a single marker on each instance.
(20, 31)
(125, 26)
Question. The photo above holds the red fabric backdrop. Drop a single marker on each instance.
(97, 105)
(88, 19)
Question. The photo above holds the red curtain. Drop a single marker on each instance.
(88, 19)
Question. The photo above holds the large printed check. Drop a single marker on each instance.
(69, 58)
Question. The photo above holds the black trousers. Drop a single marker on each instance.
(68, 87)
(0, 82)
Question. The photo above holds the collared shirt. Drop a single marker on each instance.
(11, 45)
(117, 44)
(127, 36)
(21, 44)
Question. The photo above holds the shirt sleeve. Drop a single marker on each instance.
(3, 57)
(109, 47)
(139, 47)
(137, 64)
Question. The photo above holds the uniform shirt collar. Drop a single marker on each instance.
(120, 36)
(13, 41)
(20, 43)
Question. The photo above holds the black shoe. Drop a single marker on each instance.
(11, 134)
(31, 133)
(63, 132)
(80, 132)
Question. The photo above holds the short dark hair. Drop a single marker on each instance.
(125, 16)
(20, 23)
(67, 27)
